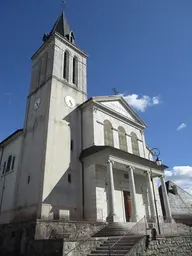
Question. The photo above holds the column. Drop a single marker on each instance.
(111, 192)
(134, 217)
(166, 200)
(151, 197)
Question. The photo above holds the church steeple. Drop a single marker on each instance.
(62, 28)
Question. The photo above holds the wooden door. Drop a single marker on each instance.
(127, 201)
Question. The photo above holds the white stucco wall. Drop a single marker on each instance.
(90, 207)
(64, 126)
(88, 130)
(8, 180)
(33, 149)
(47, 156)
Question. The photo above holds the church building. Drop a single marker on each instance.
(76, 158)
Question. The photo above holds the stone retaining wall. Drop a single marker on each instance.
(167, 246)
(43, 237)
(58, 230)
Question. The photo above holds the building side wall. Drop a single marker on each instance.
(8, 179)
(33, 150)
(88, 129)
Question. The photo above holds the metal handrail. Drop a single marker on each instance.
(128, 232)
(86, 239)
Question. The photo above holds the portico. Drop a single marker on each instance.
(117, 173)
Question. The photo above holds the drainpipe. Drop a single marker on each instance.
(1, 200)
(82, 166)
(1, 156)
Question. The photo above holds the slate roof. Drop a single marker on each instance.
(61, 27)
(179, 199)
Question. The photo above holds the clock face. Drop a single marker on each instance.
(37, 103)
(70, 101)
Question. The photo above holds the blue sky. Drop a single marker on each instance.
(142, 48)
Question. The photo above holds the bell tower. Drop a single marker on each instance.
(49, 180)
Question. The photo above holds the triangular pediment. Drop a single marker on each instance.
(118, 105)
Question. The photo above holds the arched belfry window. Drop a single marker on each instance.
(135, 144)
(66, 66)
(108, 133)
(75, 71)
(122, 138)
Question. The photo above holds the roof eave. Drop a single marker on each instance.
(11, 137)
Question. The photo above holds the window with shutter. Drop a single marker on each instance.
(122, 139)
(108, 133)
(9, 163)
(13, 163)
(135, 144)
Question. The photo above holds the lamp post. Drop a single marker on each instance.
(155, 153)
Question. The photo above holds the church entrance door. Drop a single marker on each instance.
(127, 201)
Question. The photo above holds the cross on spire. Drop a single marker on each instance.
(115, 91)
(63, 3)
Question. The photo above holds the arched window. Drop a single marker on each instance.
(122, 138)
(108, 133)
(135, 144)
(75, 71)
(66, 66)
(9, 163)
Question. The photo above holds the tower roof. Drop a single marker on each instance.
(62, 28)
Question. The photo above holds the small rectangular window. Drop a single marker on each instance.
(13, 163)
(69, 178)
(126, 176)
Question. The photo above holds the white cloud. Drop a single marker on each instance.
(181, 126)
(182, 176)
(141, 103)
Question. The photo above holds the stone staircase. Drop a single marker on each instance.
(122, 237)
(115, 229)
(119, 240)
(116, 246)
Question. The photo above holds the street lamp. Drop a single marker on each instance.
(155, 153)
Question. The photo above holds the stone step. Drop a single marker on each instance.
(106, 254)
(113, 251)
(125, 238)
(118, 244)
(116, 247)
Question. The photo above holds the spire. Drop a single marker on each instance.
(62, 28)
